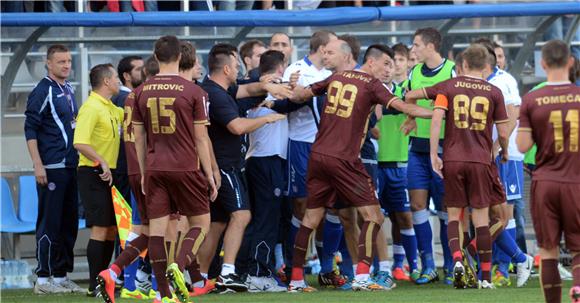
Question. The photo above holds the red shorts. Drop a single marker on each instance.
(135, 183)
(555, 209)
(468, 184)
(169, 192)
(331, 178)
(498, 195)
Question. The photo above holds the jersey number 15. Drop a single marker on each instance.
(158, 109)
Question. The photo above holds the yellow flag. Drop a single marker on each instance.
(122, 215)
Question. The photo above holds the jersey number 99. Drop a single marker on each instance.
(338, 103)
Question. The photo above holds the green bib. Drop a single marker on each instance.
(393, 144)
(530, 156)
(419, 81)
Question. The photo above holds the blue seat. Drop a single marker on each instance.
(10, 223)
(28, 199)
(28, 206)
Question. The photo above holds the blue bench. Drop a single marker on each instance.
(9, 221)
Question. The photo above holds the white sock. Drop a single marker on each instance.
(59, 280)
(199, 284)
(362, 277)
(113, 274)
(385, 266)
(42, 280)
(354, 268)
(204, 275)
(228, 269)
(141, 275)
(298, 283)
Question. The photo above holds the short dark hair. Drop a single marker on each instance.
(188, 56)
(401, 49)
(575, 70)
(270, 60)
(429, 35)
(496, 45)
(167, 49)
(555, 53)
(247, 49)
(476, 56)
(219, 56)
(459, 59)
(353, 43)
(150, 68)
(320, 38)
(488, 44)
(56, 48)
(279, 33)
(125, 66)
(99, 73)
(377, 50)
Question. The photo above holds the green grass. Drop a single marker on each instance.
(405, 292)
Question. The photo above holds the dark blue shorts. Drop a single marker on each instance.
(392, 189)
(420, 175)
(511, 175)
(298, 155)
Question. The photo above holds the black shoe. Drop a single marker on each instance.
(232, 281)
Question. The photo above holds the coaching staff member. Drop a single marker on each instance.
(97, 138)
(49, 126)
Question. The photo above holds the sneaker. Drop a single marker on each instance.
(347, 286)
(448, 280)
(400, 275)
(485, 285)
(49, 288)
(177, 281)
(208, 286)
(135, 294)
(106, 286)
(459, 280)
(91, 293)
(470, 271)
(72, 286)
(415, 275)
(524, 271)
(384, 279)
(144, 286)
(300, 287)
(575, 294)
(367, 285)
(166, 300)
(331, 279)
(232, 281)
(264, 284)
(499, 280)
(564, 273)
(152, 294)
(281, 273)
(429, 275)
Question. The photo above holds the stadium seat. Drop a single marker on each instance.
(10, 222)
(28, 199)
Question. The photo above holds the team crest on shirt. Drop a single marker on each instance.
(51, 186)
(513, 188)
(277, 192)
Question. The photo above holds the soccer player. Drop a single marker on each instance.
(169, 121)
(401, 71)
(281, 42)
(424, 183)
(549, 118)
(335, 169)
(471, 106)
(392, 158)
(250, 53)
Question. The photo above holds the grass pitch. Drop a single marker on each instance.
(404, 292)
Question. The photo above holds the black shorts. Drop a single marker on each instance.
(232, 195)
(96, 198)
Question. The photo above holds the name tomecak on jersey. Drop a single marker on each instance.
(569, 98)
(163, 86)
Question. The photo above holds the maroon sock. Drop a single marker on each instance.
(367, 242)
(131, 252)
(483, 240)
(550, 281)
(576, 269)
(466, 239)
(454, 240)
(300, 247)
(495, 228)
(194, 272)
(158, 258)
(189, 246)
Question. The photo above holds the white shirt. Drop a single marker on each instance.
(270, 139)
(511, 94)
(302, 125)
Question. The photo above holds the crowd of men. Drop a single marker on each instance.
(230, 178)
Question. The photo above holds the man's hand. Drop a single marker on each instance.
(217, 178)
(213, 189)
(106, 175)
(271, 118)
(266, 103)
(504, 155)
(270, 78)
(143, 185)
(408, 126)
(294, 79)
(40, 174)
(437, 165)
(279, 91)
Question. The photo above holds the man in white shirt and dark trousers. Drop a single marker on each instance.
(266, 158)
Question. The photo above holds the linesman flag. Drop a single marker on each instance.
(122, 215)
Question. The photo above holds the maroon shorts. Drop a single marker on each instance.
(135, 183)
(498, 195)
(169, 192)
(330, 178)
(555, 209)
(468, 184)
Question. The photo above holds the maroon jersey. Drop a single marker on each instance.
(169, 106)
(343, 124)
(472, 107)
(129, 136)
(551, 113)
